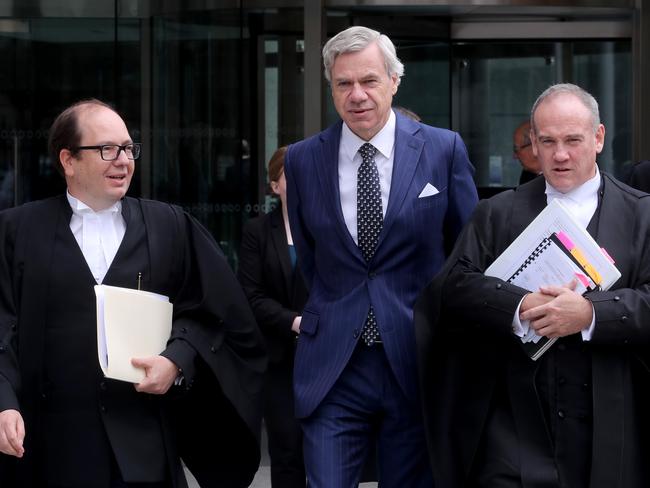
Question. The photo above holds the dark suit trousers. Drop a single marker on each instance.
(366, 401)
(285, 436)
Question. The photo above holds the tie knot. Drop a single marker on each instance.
(367, 151)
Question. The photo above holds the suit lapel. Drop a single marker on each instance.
(408, 149)
(279, 237)
(328, 175)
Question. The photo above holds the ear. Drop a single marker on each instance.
(395, 83)
(275, 187)
(600, 138)
(65, 158)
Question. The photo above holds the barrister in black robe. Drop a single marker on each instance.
(81, 429)
(578, 416)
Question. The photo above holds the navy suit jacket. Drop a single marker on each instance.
(413, 244)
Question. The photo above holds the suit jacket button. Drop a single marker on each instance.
(617, 298)
(372, 275)
(498, 286)
(102, 386)
(213, 349)
(561, 414)
(355, 333)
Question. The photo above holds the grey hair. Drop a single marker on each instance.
(584, 96)
(357, 38)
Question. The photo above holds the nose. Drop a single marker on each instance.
(358, 94)
(121, 158)
(561, 153)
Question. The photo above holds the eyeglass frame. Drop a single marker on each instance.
(119, 150)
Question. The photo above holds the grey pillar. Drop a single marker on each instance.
(314, 38)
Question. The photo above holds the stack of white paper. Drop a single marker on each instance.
(130, 323)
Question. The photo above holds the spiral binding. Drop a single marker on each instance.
(546, 242)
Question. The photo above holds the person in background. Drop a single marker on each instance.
(375, 202)
(639, 176)
(522, 148)
(269, 274)
(576, 417)
(62, 424)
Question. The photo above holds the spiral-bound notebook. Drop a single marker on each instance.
(552, 251)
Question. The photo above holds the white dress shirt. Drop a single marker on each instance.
(581, 202)
(99, 234)
(349, 162)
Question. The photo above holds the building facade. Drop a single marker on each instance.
(212, 87)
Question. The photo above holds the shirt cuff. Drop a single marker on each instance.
(588, 333)
(520, 328)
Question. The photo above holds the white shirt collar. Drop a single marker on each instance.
(80, 208)
(588, 190)
(384, 140)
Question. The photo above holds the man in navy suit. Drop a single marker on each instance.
(375, 202)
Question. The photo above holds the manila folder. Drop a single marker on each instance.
(130, 323)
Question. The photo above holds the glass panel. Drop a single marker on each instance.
(496, 84)
(38, 81)
(198, 160)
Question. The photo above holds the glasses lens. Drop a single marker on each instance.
(109, 153)
(132, 151)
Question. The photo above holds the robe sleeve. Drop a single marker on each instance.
(473, 304)
(623, 313)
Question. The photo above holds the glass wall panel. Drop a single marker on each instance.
(198, 159)
(49, 63)
(496, 84)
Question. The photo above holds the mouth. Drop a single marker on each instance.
(116, 177)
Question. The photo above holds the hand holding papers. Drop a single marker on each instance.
(552, 251)
(130, 323)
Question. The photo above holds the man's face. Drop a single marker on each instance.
(523, 149)
(98, 183)
(565, 142)
(362, 90)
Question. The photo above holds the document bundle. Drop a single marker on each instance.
(552, 251)
(130, 323)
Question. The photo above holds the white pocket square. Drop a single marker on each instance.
(428, 190)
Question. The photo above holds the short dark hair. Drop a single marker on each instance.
(65, 132)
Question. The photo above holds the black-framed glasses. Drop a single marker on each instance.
(110, 152)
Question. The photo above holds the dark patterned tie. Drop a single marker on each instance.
(369, 222)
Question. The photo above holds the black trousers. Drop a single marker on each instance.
(284, 433)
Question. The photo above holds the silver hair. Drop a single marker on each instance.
(584, 96)
(357, 38)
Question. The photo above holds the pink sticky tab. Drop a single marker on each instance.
(583, 279)
(564, 239)
(604, 251)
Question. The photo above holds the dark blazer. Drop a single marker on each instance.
(639, 176)
(463, 322)
(413, 244)
(275, 290)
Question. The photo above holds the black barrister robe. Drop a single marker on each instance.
(463, 322)
(48, 363)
